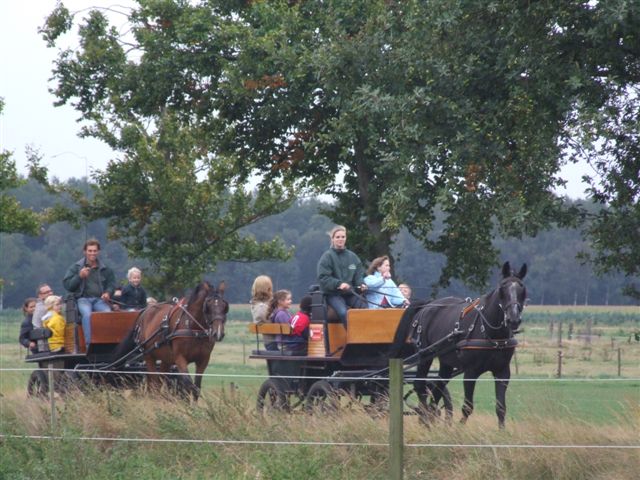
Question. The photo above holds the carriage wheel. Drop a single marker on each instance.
(432, 408)
(272, 396)
(76, 381)
(67, 382)
(378, 403)
(322, 397)
(38, 385)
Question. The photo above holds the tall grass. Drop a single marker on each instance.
(552, 414)
(442, 451)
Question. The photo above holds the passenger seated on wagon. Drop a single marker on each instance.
(299, 338)
(28, 307)
(382, 291)
(406, 291)
(42, 292)
(261, 297)
(340, 273)
(132, 295)
(279, 313)
(92, 284)
(55, 322)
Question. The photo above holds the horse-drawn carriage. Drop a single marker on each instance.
(339, 363)
(78, 362)
(469, 337)
(167, 336)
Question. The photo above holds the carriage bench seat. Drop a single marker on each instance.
(283, 329)
(107, 328)
(270, 328)
(111, 327)
(366, 326)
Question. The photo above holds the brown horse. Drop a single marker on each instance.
(179, 333)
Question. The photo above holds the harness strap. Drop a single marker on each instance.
(486, 344)
(469, 308)
(188, 333)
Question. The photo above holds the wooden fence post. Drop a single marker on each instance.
(560, 333)
(396, 419)
(570, 332)
(619, 362)
(559, 363)
(244, 353)
(52, 397)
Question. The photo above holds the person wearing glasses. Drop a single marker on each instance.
(42, 292)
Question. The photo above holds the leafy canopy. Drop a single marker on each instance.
(397, 109)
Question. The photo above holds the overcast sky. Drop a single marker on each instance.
(29, 117)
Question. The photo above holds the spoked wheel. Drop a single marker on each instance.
(67, 382)
(378, 401)
(38, 385)
(430, 410)
(322, 397)
(273, 396)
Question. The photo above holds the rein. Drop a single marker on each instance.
(487, 343)
(190, 332)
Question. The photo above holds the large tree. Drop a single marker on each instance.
(13, 217)
(171, 199)
(395, 108)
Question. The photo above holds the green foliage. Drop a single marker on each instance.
(171, 199)
(14, 218)
(555, 276)
(467, 107)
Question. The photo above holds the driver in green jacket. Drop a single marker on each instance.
(340, 273)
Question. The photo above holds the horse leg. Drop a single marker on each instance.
(153, 380)
(185, 380)
(165, 381)
(421, 386)
(439, 390)
(201, 366)
(501, 384)
(469, 387)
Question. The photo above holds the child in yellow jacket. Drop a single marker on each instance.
(54, 322)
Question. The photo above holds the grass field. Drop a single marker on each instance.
(589, 406)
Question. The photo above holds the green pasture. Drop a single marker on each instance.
(589, 391)
(590, 405)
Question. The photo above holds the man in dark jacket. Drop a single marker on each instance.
(340, 272)
(91, 283)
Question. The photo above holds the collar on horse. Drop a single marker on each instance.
(486, 343)
(164, 334)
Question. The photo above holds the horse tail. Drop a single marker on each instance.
(402, 332)
(126, 345)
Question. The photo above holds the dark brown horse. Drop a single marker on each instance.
(179, 334)
(471, 337)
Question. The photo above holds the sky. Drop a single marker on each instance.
(30, 118)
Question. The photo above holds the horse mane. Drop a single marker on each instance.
(197, 293)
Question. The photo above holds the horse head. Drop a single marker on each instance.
(512, 293)
(215, 309)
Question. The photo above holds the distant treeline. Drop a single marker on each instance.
(555, 276)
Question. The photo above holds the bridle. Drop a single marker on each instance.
(210, 314)
(214, 309)
(513, 301)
